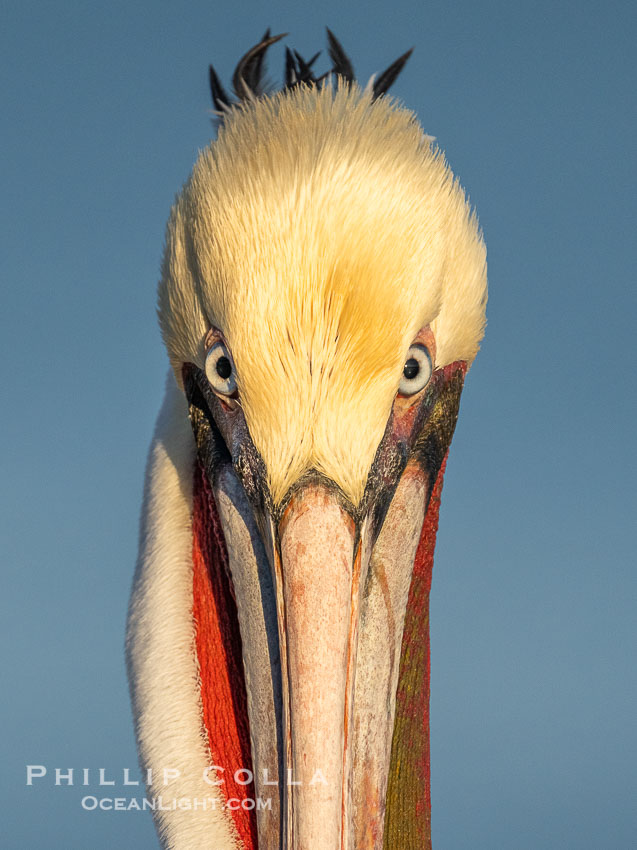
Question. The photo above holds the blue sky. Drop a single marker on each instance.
(533, 606)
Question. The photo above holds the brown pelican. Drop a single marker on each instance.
(322, 296)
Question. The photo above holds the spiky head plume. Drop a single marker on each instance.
(249, 82)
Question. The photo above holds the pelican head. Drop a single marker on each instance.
(322, 296)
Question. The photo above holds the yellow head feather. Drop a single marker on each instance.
(319, 233)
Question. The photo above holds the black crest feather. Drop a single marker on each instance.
(248, 79)
(387, 78)
(342, 66)
(220, 99)
(290, 69)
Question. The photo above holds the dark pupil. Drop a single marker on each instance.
(411, 369)
(224, 369)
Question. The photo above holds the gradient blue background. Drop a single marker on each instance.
(104, 108)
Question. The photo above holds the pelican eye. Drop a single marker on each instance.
(220, 369)
(416, 371)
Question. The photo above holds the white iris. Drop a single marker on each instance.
(416, 371)
(220, 369)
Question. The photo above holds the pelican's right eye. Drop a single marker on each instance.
(220, 369)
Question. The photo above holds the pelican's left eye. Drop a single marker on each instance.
(417, 370)
(220, 369)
